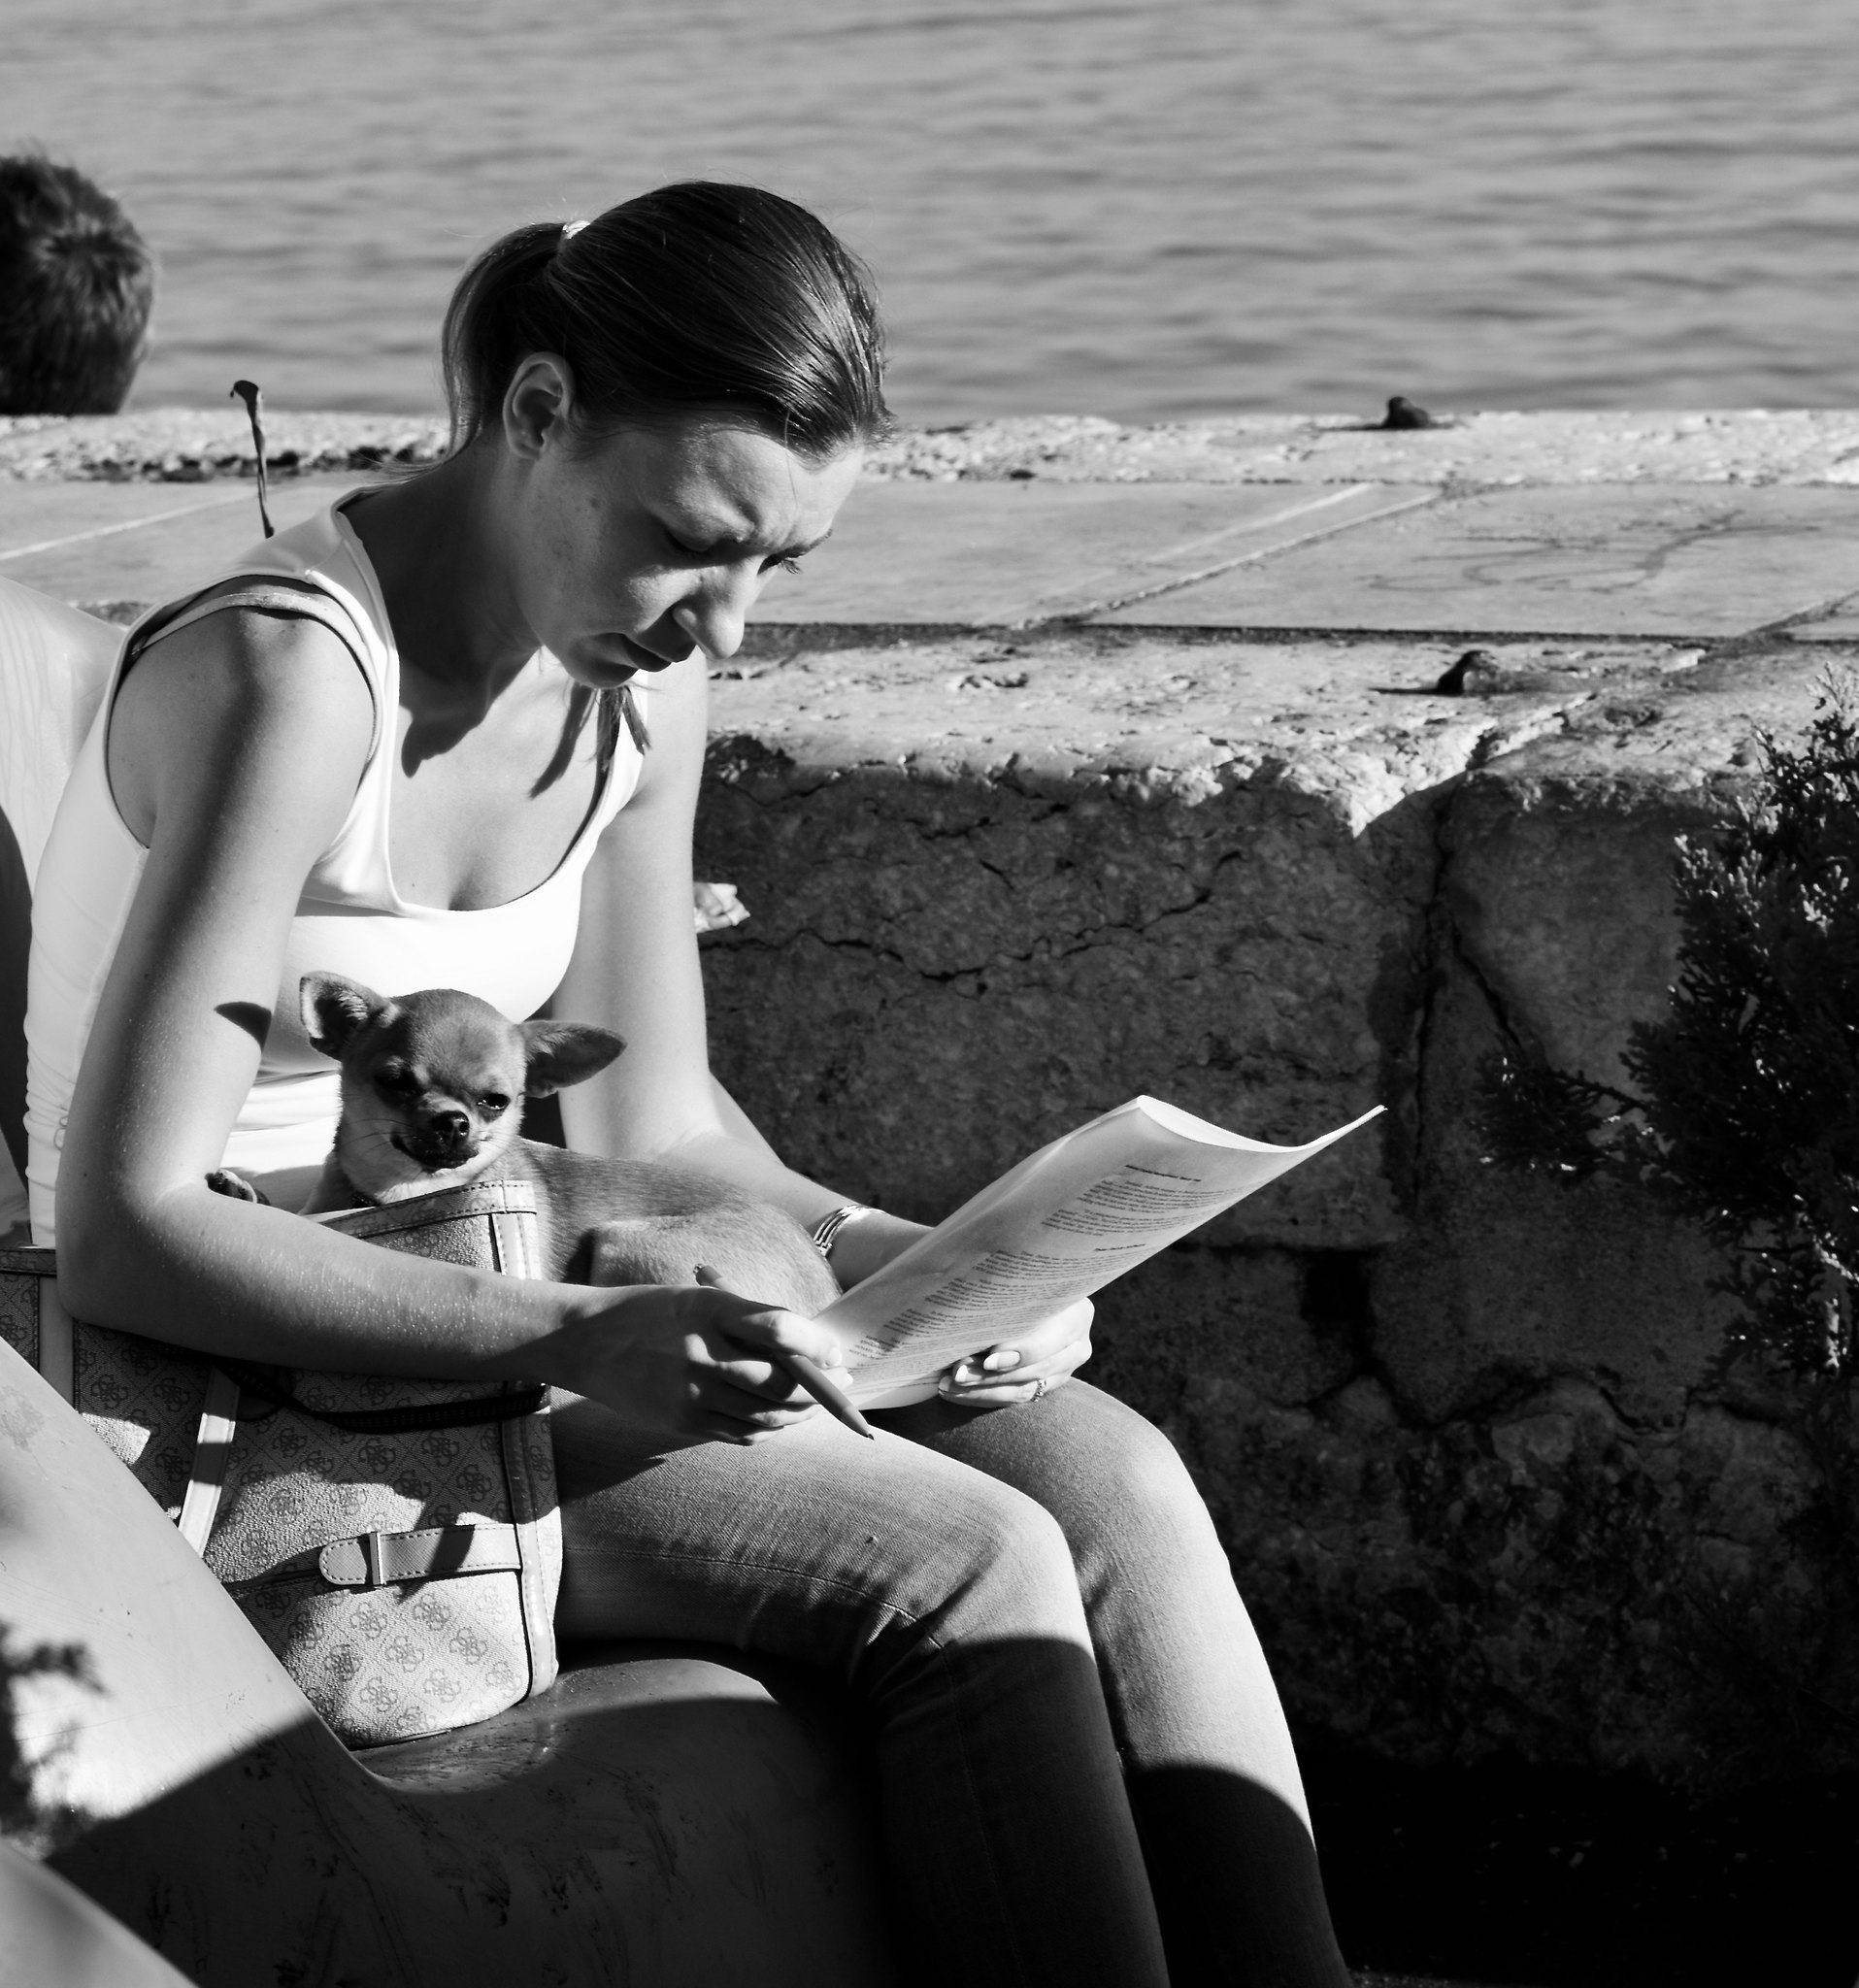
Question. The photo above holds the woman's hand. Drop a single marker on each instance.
(691, 1361)
(1042, 1358)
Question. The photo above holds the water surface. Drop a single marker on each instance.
(1142, 210)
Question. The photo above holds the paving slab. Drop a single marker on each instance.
(37, 517)
(129, 542)
(1004, 554)
(1698, 563)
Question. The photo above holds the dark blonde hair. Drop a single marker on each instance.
(696, 298)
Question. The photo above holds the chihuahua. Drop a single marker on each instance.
(433, 1086)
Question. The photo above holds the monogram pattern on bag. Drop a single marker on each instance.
(19, 1314)
(143, 1400)
(397, 1662)
(291, 1483)
(391, 1663)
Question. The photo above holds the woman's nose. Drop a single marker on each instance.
(714, 616)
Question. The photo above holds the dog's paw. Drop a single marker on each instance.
(223, 1180)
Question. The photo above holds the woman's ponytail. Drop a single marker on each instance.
(696, 298)
(486, 325)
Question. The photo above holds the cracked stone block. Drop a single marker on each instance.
(1502, 1283)
(1556, 934)
(949, 963)
(1465, 1436)
(1548, 1582)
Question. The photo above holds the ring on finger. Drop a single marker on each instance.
(1038, 1388)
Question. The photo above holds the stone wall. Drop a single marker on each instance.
(1463, 1433)
(1467, 1435)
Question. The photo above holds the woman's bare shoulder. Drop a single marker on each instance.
(240, 688)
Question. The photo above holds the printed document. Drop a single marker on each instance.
(1057, 1227)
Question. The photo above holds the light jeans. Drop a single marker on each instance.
(1082, 1755)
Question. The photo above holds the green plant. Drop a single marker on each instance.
(1744, 1109)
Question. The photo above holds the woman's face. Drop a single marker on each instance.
(659, 540)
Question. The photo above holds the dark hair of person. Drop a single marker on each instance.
(697, 298)
(76, 285)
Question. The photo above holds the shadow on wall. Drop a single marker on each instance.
(31, 1818)
(1483, 1484)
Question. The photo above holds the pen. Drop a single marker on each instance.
(832, 1398)
(829, 1395)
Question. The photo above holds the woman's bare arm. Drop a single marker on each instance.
(634, 970)
(237, 747)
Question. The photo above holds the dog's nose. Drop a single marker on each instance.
(450, 1124)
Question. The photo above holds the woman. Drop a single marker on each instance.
(372, 752)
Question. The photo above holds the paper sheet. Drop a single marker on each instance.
(1060, 1226)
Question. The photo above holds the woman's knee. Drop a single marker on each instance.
(1006, 1570)
(1135, 1511)
(1143, 1472)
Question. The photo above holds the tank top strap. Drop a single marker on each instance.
(300, 601)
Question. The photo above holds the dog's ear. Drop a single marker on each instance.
(565, 1052)
(334, 1010)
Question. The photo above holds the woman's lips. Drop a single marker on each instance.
(647, 658)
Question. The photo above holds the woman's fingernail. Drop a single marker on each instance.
(999, 1363)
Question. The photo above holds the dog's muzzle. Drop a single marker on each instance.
(438, 1151)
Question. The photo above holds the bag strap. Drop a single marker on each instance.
(57, 1351)
(375, 1560)
(212, 1448)
(402, 1421)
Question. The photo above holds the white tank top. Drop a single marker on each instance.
(349, 917)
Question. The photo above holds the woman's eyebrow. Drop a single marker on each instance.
(720, 539)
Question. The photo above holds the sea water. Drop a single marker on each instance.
(1145, 210)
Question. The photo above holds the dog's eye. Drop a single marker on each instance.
(397, 1082)
(493, 1104)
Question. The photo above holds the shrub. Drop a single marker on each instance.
(1744, 1110)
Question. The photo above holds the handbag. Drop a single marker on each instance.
(396, 1543)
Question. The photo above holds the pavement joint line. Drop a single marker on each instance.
(1805, 617)
(1340, 494)
(800, 637)
(1240, 630)
(132, 524)
(1259, 553)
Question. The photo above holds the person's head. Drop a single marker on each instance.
(681, 390)
(76, 285)
(697, 300)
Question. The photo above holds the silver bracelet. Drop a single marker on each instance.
(825, 1231)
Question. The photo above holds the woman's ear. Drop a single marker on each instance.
(539, 404)
(335, 1009)
(565, 1052)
